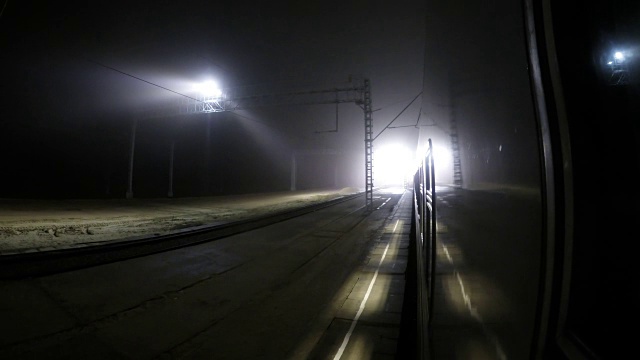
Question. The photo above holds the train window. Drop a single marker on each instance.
(618, 66)
(598, 53)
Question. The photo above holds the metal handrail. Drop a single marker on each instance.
(424, 216)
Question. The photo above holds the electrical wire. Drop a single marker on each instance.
(3, 7)
(143, 80)
(419, 114)
(405, 126)
(397, 116)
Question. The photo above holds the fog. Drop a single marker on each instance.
(76, 75)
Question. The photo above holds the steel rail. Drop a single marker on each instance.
(25, 265)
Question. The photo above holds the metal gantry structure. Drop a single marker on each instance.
(368, 143)
(238, 99)
(455, 152)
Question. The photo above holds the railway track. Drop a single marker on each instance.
(25, 265)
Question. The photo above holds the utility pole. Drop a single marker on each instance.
(299, 153)
(294, 171)
(171, 155)
(134, 125)
(368, 144)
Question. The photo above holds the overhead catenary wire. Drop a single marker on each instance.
(3, 7)
(235, 113)
(397, 116)
(404, 126)
(143, 80)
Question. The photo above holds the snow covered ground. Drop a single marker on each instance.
(42, 225)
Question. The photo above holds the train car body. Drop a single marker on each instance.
(538, 103)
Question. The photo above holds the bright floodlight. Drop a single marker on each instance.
(391, 164)
(443, 160)
(618, 55)
(209, 89)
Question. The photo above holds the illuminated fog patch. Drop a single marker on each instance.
(208, 89)
(442, 160)
(391, 164)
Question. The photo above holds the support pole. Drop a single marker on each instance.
(293, 171)
(368, 145)
(207, 158)
(173, 145)
(129, 194)
(337, 103)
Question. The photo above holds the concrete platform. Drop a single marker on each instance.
(320, 286)
(367, 326)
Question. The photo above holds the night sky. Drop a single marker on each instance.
(75, 74)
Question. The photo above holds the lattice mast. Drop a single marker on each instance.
(368, 143)
(231, 100)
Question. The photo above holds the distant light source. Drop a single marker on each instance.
(442, 163)
(209, 89)
(618, 55)
(443, 159)
(392, 164)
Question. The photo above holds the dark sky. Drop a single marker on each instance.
(74, 75)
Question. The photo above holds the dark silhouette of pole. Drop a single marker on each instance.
(131, 153)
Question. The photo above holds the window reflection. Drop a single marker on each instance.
(618, 64)
(598, 52)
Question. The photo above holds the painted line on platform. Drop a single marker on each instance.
(345, 341)
(473, 311)
(383, 204)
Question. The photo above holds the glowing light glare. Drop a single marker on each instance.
(442, 162)
(208, 89)
(442, 158)
(391, 164)
(618, 55)
(442, 153)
